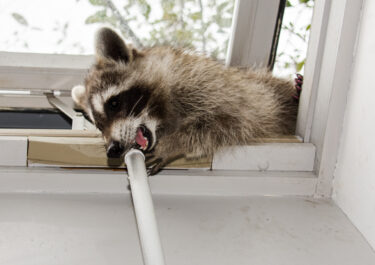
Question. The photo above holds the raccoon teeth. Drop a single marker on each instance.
(145, 147)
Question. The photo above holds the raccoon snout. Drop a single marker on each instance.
(115, 150)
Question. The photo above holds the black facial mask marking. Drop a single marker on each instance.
(129, 103)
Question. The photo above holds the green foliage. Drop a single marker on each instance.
(98, 2)
(193, 24)
(299, 65)
(196, 16)
(202, 25)
(20, 19)
(99, 16)
(222, 6)
(294, 61)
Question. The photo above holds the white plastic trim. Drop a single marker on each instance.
(167, 182)
(334, 81)
(267, 157)
(312, 68)
(13, 151)
(253, 27)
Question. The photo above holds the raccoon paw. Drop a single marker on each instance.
(154, 169)
(298, 81)
(154, 166)
(158, 162)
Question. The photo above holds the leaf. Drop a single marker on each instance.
(167, 5)
(196, 16)
(221, 7)
(308, 27)
(288, 4)
(98, 2)
(145, 8)
(172, 17)
(300, 65)
(99, 16)
(20, 19)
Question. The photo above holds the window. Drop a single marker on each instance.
(294, 36)
(29, 67)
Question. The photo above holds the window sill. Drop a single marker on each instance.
(76, 148)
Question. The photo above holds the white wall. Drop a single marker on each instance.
(354, 183)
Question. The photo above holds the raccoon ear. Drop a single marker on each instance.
(110, 45)
(79, 96)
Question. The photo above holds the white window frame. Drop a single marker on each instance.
(40, 73)
(327, 76)
(331, 55)
(253, 28)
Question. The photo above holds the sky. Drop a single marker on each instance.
(46, 19)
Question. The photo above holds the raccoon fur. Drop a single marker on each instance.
(168, 102)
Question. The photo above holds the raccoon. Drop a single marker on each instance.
(169, 102)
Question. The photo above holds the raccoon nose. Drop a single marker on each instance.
(115, 150)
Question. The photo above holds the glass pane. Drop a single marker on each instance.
(68, 26)
(32, 119)
(294, 36)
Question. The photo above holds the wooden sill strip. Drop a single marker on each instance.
(76, 148)
(97, 134)
(86, 152)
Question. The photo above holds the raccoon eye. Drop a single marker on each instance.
(114, 104)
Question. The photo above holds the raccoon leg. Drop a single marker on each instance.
(149, 157)
(156, 164)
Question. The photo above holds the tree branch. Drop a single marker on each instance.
(124, 24)
(181, 19)
(203, 25)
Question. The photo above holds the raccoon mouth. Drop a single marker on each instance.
(143, 140)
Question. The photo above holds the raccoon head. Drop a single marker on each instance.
(119, 100)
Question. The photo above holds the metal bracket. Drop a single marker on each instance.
(78, 120)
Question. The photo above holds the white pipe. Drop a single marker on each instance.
(144, 209)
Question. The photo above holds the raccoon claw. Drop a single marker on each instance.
(154, 166)
(298, 85)
(154, 170)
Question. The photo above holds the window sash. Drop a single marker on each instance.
(42, 72)
(253, 30)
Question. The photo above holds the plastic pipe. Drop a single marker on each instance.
(144, 209)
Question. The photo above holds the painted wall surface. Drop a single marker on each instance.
(354, 183)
